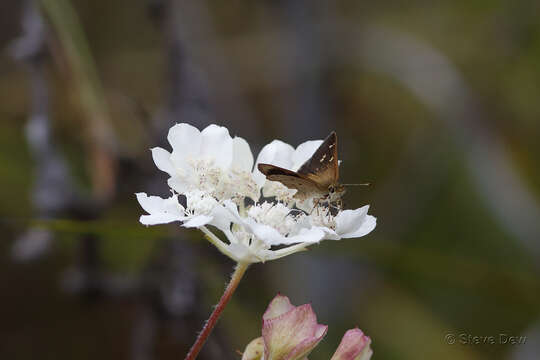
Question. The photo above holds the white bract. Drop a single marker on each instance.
(214, 176)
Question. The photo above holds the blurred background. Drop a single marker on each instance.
(436, 104)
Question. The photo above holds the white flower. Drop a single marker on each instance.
(201, 210)
(209, 161)
(213, 172)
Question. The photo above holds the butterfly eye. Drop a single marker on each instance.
(331, 189)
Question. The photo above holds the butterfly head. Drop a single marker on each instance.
(335, 192)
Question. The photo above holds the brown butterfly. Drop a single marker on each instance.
(316, 178)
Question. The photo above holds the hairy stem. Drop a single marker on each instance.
(237, 275)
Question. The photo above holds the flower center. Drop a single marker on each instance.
(220, 183)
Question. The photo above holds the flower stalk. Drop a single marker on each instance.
(214, 240)
(237, 275)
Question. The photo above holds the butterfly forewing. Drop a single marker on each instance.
(322, 168)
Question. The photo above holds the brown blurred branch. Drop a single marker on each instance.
(100, 141)
(53, 190)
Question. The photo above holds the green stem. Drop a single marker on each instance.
(237, 275)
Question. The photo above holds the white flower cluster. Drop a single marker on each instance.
(216, 175)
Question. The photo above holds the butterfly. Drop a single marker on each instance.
(317, 178)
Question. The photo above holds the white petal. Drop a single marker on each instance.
(354, 223)
(185, 140)
(156, 219)
(242, 156)
(217, 144)
(161, 211)
(349, 220)
(231, 237)
(222, 218)
(271, 236)
(178, 185)
(303, 152)
(276, 153)
(162, 159)
(266, 233)
(229, 213)
(306, 204)
(197, 221)
(186, 144)
(149, 204)
(243, 253)
(286, 251)
(330, 234)
(310, 236)
(370, 222)
(233, 210)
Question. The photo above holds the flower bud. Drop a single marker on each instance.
(353, 346)
(254, 350)
(290, 332)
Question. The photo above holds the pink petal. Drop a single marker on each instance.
(292, 335)
(278, 306)
(305, 347)
(353, 346)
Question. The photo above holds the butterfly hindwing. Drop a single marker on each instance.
(289, 178)
(322, 168)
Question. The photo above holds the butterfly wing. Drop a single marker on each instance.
(290, 179)
(322, 168)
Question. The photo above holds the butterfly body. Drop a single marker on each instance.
(316, 178)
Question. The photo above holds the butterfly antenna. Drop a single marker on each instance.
(364, 184)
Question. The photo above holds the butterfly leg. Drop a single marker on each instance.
(315, 205)
(334, 210)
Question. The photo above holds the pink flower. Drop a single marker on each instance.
(289, 332)
(353, 346)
